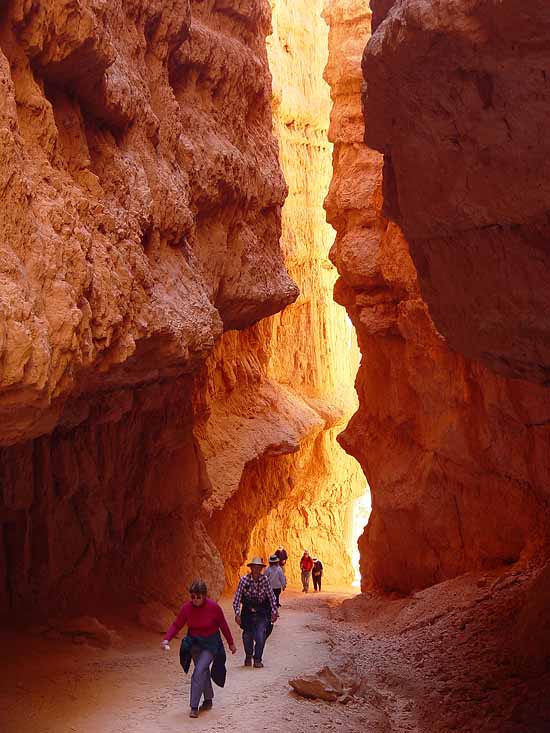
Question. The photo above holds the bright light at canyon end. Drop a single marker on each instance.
(361, 513)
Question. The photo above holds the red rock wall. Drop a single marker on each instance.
(457, 457)
(141, 197)
(462, 88)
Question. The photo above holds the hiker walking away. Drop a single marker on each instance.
(317, 573)
(258, 612)
(203, 644)
(306, 564)
(276, 577)
(282, 554)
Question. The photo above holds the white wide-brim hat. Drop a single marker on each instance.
(256, 561)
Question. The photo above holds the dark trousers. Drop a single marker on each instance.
(201, 683)
(254, 638)
(277, 592)
(317, 582)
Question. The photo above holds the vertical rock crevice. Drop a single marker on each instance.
(291, 482)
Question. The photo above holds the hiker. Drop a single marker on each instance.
(317, 573)
(282, 554)
(276, 577)
(259, 611)
(306, 564)
(203, 644)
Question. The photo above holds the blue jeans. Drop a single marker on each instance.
(200, 680)
(306, 574)
(254, 638)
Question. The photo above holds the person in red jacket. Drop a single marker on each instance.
(306, 564)
(203, 643)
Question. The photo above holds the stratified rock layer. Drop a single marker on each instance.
(457, 97)
(457, 458)
(140, 198)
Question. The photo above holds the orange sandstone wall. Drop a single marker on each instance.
(140, 204)
(457, 458)
(284, 389)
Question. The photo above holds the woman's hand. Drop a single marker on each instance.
(238, 619)
(274, 617)
(165, 645)
(232, 648)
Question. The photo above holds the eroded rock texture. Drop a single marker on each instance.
(140, 197)
(284, 389)
(141, 219)
(134, 203)
(457, 96)
(457, 457)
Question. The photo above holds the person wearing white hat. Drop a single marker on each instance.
(259, 610)
(276, 577)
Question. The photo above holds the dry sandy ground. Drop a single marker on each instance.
(436, 662)
(134, 687)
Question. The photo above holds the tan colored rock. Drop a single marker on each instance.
(327, 684)
(456, 99)
(456, 457)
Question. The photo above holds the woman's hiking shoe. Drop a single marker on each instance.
(207, 705)
(194, 713)
(258, 665)
(248, 662)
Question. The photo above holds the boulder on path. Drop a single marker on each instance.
(328, 684)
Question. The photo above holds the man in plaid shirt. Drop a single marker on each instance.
(259, 611)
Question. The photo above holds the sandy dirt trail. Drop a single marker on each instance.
(134, 687)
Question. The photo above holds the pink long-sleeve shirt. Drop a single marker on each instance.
(203, 620)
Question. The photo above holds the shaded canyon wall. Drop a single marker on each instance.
(457, 457)
(463, 87)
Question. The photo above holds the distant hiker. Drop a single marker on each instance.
(317, 573)
(259, 611)
(282, 554)
(276, 577)
(203, 644)
(306, 564)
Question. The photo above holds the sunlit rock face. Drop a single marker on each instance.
(284, 389)
(457, 457)
(140, 203)
(456, 99)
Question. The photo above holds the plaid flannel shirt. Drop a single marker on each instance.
(255, 590)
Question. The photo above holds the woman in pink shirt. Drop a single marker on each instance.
(203, 644)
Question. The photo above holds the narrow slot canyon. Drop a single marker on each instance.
(275, 273)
